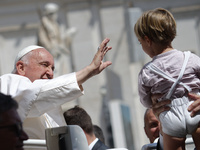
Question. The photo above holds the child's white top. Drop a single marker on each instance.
(171, 63)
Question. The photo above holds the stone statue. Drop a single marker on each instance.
(54, 38)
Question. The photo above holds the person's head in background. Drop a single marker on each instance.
(78, 116)
(151, 125)
(99, 133)
(11, 131)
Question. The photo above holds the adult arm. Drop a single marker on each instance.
(97, 65)
(195, 106)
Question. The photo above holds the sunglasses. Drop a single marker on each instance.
(16, 127)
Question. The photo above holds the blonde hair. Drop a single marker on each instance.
(158, 25)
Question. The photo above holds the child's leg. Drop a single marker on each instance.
(173, 143)
(196, 138)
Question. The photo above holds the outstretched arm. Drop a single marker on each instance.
(97, 65)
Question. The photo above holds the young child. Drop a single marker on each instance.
(171, 73)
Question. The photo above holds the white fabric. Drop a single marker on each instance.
(40, 101)
(161, 141)
(178, 80)
(93, 143)
(117, 149)
(177, 121)
(156, 140)
(25, 51)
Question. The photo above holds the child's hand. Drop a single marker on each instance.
(159, 107)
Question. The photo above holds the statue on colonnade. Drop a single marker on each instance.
(54, 38)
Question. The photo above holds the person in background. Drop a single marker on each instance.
(99, 133)
(152, 128)
(11, 131)
(78, 116)
(151, 125)
(38, 94)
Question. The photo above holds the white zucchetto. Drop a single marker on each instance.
(25, 51)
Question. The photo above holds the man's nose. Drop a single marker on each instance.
(49, 72)
(23, 136)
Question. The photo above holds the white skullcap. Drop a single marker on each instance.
(51, 8)
(25, 51)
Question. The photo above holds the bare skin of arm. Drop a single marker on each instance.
(97, 65)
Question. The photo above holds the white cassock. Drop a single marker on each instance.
(40, 101)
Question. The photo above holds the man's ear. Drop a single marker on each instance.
(149, 42)
(20, 68)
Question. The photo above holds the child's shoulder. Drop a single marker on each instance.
(145, 68)
(193, 56)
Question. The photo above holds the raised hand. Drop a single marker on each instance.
(97, 63)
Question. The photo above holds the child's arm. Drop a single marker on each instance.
(144, 92)
(195, 63)
(159, 107)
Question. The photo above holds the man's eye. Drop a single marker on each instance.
(153, 125)
(45, 64)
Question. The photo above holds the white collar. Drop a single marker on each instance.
(93, 143)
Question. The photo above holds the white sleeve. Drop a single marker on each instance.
(36, 98)
(54, 93)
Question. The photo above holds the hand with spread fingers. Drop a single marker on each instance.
(97, 65)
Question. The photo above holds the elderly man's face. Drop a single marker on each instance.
(40, 66)
(152, 126)
(12, 134)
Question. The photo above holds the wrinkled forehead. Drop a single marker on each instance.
(41, 55)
